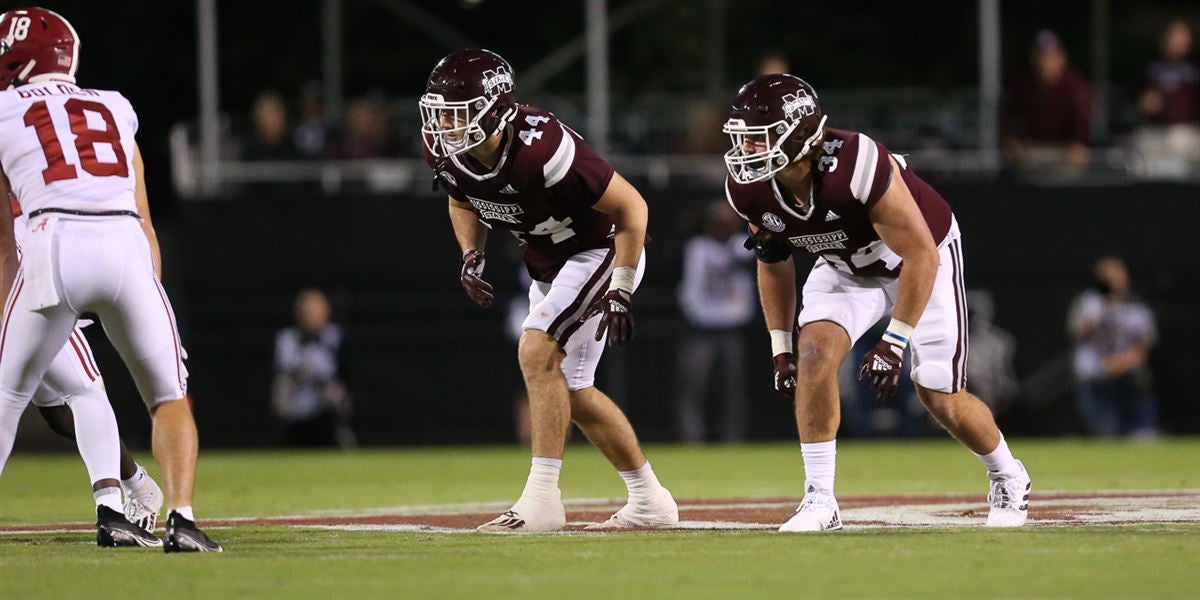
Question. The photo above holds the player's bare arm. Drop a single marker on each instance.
(777, 293)
(143, 210)
(471, 234)
(630, 214)
(468, 230)
(900, 225)
(629, 210)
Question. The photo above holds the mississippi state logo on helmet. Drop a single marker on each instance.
(470, 97)
(36, 45)
(775, 120)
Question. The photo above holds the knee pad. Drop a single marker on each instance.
(936, 377)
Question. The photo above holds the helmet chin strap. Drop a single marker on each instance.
(812, 139)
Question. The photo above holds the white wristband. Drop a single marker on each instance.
(622, 279)
(781, 342)
(898, 333)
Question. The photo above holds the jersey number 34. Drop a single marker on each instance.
(86, 138)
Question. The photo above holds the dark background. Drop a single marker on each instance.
(426, 366)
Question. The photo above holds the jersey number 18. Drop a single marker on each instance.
(86, 138)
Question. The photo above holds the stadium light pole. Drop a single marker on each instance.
(597, 73)
(989, 82)
(210, 132)
(331, 58)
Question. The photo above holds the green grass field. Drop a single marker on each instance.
(1110, 561)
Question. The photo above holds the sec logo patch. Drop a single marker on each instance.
(772, 222)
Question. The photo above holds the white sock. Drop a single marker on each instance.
(1000, 462)
(96, 433)
(185, 512)
(640, 481)
(110, 497)
(10, 417)
(543, 477)
(132, 484)
(820, 462)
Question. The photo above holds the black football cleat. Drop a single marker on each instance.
(113, 530)
(184, 536)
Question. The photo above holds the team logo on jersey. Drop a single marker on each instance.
(798, 105)
(492, 211)
(498, 81)
(820, 242)
(448, 177)
(773, 222)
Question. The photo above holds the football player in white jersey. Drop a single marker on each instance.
(68, 153)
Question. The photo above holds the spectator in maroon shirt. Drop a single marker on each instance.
(1050, 108)
(1169, 93)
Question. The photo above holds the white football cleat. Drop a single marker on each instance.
(656, 510)
(530, 516)
(1009, 500)
(143, 504)
(817, 512)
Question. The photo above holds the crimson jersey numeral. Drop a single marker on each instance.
(86, 138)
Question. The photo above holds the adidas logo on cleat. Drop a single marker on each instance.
(514, 521)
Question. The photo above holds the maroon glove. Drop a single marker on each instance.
(882, 366)
(616, 310)
(785, 374)
(479, 290)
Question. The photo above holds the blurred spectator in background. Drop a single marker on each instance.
(311, 133)
(270, 140)
(1046, 116)
(1170, 144)
(718, 300)
(308, 395)
(701, 137)
(772, 62)
(1113, 333)
(367, 132)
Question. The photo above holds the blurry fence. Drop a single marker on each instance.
(427, 366)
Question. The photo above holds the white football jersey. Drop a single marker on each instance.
(67, 147)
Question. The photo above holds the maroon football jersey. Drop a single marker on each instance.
(542, 190)
(851, 176)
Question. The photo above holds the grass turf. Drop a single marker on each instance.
(1127, 561)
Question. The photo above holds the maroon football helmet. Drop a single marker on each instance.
(775, 120)
(36, 45)
(469, 98)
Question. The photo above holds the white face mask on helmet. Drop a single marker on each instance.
(452, 128)
(761, 165)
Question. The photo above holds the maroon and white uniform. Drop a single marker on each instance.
(855, 279)
(542, 191)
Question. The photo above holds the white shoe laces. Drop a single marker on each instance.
(1007, 494)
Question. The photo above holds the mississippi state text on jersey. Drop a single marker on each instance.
(851, 175)
(67, 147)
(542, 190)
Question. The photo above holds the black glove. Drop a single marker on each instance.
(882, 365)
(785, 374)
(616, 310)
(479, 290)
(767, 248)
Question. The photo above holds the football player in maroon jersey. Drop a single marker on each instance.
(887, 244)
(582, 229)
